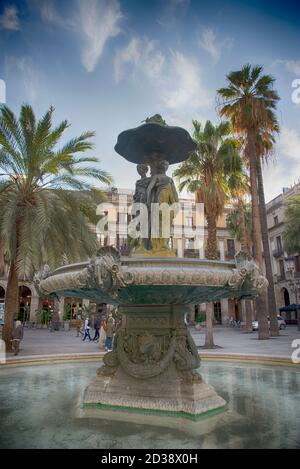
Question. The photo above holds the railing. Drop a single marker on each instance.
(191, 253)
(124, 250)
(281, 277)
(278, 252)
(229, 255)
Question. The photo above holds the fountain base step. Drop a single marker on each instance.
(179, 394)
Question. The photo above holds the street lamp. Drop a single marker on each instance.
(293, 283)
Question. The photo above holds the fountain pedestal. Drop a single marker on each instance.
(152, 367)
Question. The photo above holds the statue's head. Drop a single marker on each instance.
(142, 169)
(156, 119)
(158, 165)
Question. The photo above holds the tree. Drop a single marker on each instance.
(239, 224)
(206, 173)
(264, 147)
(46, 199)
(238, 184)
(249, 102)
(291, 236)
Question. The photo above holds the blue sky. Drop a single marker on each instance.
(107, 64)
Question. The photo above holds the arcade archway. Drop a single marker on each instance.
(2, 294)
(24, 303)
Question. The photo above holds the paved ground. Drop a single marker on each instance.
(231, 341)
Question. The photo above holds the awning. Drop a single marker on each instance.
(292, 307)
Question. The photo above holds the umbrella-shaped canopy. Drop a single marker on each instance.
(173, 144)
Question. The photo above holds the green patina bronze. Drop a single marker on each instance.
(152, 367)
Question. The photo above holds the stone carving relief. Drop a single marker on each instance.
(145, 355)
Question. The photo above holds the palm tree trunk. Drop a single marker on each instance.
(209, 338)
(268, 263)
(242, 226)
(261, 300)
(2, 261)
(11, 304)
(212, 246)
(256, 235)
(211, 253)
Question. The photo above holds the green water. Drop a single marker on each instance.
(39, 409)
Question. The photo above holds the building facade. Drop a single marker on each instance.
(184, 245)
(286, 289)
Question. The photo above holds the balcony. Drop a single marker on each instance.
(229, 255)
(280, 278)
(124, 250)
(191, 253)
(278, 252)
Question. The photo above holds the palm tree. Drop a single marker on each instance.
(2, 258)
(249, 102)
(239, 224)
(46, 199)
(264, 147)
(207, 172)
(238, 184)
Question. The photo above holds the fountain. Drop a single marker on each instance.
(152, 367)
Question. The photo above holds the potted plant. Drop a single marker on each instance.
(199, 320)
(67, 316)
(43, 316)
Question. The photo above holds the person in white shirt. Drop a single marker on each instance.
(87, 326)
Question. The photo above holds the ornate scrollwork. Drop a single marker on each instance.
(186, 354)
(248, 272)
(144, 356)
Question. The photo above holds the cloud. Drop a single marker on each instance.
(95, 20)
(292, 66)
(141, 53)
(185, 89)
(50, 14)
(289, 144)
(176, 80)
(9, 19)
(286, 168)
(208, 42)
(25, 69)
(171, 11)
(99, 21)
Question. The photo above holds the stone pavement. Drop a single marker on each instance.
(42, 342)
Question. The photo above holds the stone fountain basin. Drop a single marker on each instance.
(156, 281)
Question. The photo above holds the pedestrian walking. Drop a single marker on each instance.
(97, 327)
(17, 336)
(87, 327)
(78, 326)
(109, 329)
(102, 337)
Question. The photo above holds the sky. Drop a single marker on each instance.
(106, 65)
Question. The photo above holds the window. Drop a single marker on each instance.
(276, 220)
(123, 218)
(189, 243)
(122, 240)
(281, 268)
(189, 221)
(297, 263)
(279, 243)
(230, 247)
